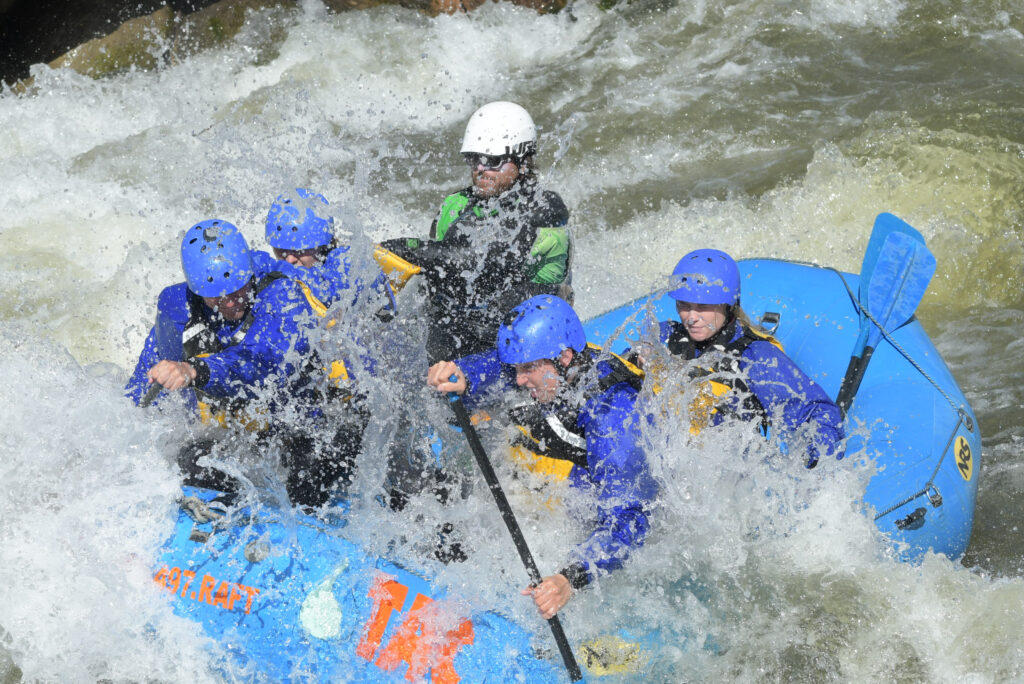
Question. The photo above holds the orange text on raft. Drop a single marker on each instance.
(415, 642)
(215, 592)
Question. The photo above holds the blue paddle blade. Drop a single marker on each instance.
(895, 272)
(901, 274)
(885, 225)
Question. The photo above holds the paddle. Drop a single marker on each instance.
(462, 415)
(151, 393)
(895, 281)
(168, 346)
(885, 225)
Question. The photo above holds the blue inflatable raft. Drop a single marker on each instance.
(291, 599)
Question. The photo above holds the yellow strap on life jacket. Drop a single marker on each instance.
(319, 308)
(551, 471)
(397, 269)
(555, 468)
(337, 371)
(246, 419)
(765, 336)
(704, 404)
(645, 374)
(252, 420)
(632, 368)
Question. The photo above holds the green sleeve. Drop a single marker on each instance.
(451, 208)
(551, 256)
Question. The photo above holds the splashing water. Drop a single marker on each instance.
(764, 129)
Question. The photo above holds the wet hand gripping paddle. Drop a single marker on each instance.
(895, 273)
(462, 415)
(169, 346)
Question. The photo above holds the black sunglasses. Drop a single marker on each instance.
(488, 161)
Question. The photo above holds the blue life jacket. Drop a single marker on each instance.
(601, 437)
(256, 359)
(766, 384)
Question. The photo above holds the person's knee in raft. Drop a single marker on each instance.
(494, 243)
(583, 416)
(754, 380)
(300, 229)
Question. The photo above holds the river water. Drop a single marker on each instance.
(763, 127)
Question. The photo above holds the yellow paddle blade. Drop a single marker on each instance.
(610, 654)
(397, 269)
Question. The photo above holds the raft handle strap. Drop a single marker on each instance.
(934, 496)
(965, 418)
(200, 511)
(769, 322)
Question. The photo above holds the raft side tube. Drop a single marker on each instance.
(289, 597)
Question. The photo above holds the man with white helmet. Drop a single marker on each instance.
(495, 243)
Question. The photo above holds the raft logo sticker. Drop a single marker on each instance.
(417, 641)
(321, 615)
(215, 592)
(964, 460)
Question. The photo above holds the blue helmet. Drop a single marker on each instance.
(299, 220)
(539, 328)
(706, 276)
(215, 258)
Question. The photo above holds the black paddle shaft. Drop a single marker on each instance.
(151, 393)
(513, 527)
(852, 379)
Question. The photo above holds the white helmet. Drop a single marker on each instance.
(500, 128)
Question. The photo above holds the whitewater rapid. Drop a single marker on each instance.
(761, 128)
